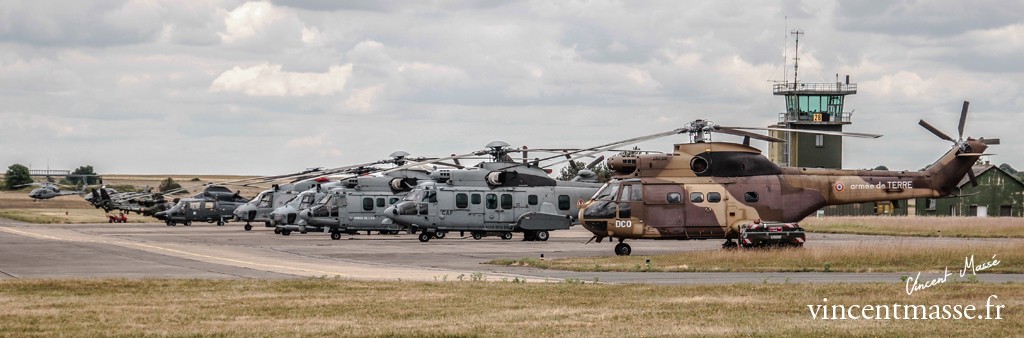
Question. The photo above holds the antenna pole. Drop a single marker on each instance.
(796, 55)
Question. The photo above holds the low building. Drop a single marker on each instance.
(998, 194)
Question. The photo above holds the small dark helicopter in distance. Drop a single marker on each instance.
(215, 204)
(721, 190)
(47, 190)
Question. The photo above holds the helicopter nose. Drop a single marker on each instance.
(390, 211)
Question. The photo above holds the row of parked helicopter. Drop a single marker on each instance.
(701, 190)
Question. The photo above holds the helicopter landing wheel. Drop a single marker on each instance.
(542, 236)
(277, 231)
(188, 223)
(303, 230)
(425, 236)
(335, 235)
(440, 234)
(478, 235)
(220, 223)
(506, 235)
(168, 222)
(248, 227)
(623, 249)
(286, 232)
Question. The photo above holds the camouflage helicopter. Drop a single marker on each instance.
(215, 204)
(494, 198)
(327, 208)
(720, 190)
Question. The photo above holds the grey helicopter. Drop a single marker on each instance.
(326, 208)
(47, 190)
(215, 204)
(497, 197)
(359, 204)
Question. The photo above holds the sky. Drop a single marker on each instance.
(270, 87)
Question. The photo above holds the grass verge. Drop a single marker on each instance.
(324, 307)
(65, 216)
(854, 258)
(961, 227)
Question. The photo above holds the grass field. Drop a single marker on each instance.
(858, 258)
(966, 227)
(326, 307)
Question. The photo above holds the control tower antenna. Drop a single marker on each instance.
(796, 55)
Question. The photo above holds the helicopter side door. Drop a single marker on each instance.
(706, 210)
(664, 209)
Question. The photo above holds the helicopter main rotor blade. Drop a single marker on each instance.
(963, 120)
(595, 162)
(970, 175)
(935, 131)
(821, 132)
(737, 132)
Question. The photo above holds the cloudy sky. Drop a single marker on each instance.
(233, 87)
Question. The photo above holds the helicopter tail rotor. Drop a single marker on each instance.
(963, 145)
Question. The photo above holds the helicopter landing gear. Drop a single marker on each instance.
(506, 235)
(426, 236)
(188, 223)
(168, 222)
(623, 249)
(335, 235)
(220, 222)
(248, 227)
(302, 230)
(277, 231)
(477, 235)
(286, 232)
(440, 234)
(729, 244)
(542, 236)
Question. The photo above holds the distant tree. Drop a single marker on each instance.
(88, 176)
(168, 184)
(881, 167)
(570, 171)
(1008, 168)
(16, 175)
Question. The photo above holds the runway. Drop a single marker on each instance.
(207, 251)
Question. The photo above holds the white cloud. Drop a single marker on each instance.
(364, 99)
(270, 80)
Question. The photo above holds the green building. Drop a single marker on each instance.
(998, 194)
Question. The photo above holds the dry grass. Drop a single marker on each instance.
(66, 216)
(853, 258)
(349, 308)
(967, 227)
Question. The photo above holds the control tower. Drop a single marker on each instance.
(810, 106)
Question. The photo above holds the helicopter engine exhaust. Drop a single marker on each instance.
(495, 178)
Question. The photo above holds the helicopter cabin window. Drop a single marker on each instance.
(506, 201)
(492, 201)
(380, 202)
(194, 205)
(532, 199)
(696, 197)
(750, 197)
(209, 205)
(563, 202)
(714, 197)
(367, 204)
(461, 200)
(819, 140)
(475, 199)
(674, 197)
(624, 194)
(393, 200)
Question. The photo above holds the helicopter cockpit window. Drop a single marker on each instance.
(416, 195)
(714, 197)
(461, 200)
(607, 193)
(194, 205)
(750, 197)
(393, 200)
(431, 197)
(209, 205)
(492, 201)
(696, 197)
(674, 197)
(624, 196)
(307, 201)
(367, 204)
(638, 193)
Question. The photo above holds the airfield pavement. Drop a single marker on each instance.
(154, 250)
